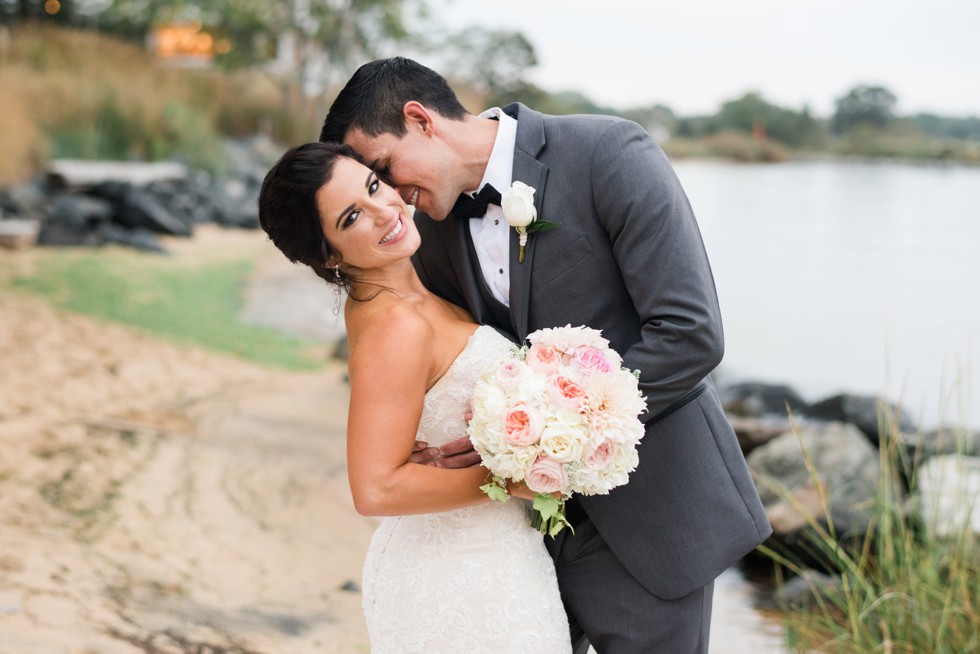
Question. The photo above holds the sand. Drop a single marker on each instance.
(160, 498)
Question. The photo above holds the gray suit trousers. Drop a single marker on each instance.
(609, 609)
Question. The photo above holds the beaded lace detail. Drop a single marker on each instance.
(477, 580)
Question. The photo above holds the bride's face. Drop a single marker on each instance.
(364, 218)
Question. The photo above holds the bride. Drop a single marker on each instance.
(447, 570)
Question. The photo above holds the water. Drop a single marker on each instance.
(859, 277)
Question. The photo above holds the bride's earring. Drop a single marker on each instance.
(336, 290)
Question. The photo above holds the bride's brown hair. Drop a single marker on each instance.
(288, 210)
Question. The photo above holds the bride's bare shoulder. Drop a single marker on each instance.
(388, 330)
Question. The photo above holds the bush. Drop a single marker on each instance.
(730, 145)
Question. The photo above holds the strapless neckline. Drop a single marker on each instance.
(471, 339)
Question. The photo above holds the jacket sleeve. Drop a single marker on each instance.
(658, 249)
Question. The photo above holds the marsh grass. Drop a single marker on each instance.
(189, 303)
(902, 590)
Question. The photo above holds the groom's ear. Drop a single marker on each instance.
(417, 118)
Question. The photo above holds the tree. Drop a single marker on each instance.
(493, 62)
(752, 114)
(872, 106)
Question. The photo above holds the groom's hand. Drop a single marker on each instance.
(454, 454)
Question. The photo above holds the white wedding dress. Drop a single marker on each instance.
(476, 580)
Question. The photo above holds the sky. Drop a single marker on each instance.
(692, 55)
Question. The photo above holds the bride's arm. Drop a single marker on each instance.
(392, 362)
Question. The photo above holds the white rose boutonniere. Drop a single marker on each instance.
(517, 203)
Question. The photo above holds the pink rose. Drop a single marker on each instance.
(521, 425)
(542, 359)
(565, 392)
(590, 359)
(509, 372)
(599, 457)
(546, 476)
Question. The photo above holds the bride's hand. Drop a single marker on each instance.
(454, 454)
(519, 489)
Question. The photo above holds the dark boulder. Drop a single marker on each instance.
(754, 399)
(73, 219)
(868, 413)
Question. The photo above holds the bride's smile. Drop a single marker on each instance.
(395, 233)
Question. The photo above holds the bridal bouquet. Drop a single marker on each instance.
(561, 415)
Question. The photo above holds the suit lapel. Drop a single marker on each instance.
(527, 169)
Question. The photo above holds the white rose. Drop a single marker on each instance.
(517, 203)
(561, 443)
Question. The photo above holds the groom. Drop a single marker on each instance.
(625, 257)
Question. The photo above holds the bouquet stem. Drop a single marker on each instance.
(549, 515)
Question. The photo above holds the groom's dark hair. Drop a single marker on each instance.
(373, 98)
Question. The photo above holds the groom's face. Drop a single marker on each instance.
(420, 167)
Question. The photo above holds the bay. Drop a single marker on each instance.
(847, 276)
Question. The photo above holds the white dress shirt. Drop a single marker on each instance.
(491, 234)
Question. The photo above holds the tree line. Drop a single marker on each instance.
(325, 40)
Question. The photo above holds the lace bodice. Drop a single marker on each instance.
(448, 401)
(477, 579)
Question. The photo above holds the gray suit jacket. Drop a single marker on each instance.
(627, 258)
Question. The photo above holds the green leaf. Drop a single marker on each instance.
(546, 505)
(495, 492)
(556, 528)
(538, 225)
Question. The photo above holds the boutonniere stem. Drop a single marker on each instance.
(517, 203)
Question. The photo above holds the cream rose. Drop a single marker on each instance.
(561, 443)
(517, 203)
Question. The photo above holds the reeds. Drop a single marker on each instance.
(903, 589)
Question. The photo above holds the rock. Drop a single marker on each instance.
(17, 234)
(25, 199)
(351, 586)
(752, 432)
(846, 465)
(84, 173)
(754, 399)
(141, 208)
(921, 446)
(137, 237)
(73, 219)
(863, 412)
(802, 592)
(947, 494)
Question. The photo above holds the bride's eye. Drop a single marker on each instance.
(373, 187)
(349, 220)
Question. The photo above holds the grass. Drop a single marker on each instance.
(902, 589)
(192, 304)
(79, 94)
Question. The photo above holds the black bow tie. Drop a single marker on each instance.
(475, 207)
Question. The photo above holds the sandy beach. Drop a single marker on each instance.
(160, 498)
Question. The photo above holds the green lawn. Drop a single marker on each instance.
(187, 303)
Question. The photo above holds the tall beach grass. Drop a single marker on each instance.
(903, 588)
